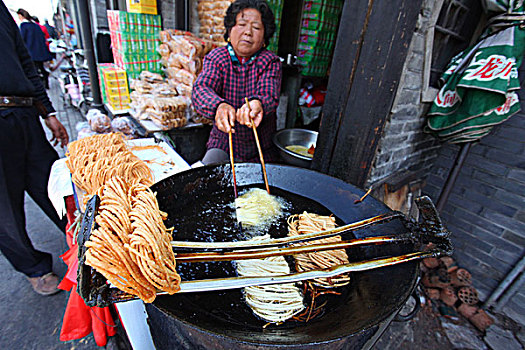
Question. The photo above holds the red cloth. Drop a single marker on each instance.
(80, 319)
(46, 34)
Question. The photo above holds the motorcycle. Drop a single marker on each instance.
(74, 81)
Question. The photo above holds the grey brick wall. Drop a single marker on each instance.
(404, 146)
(167, 10)
(486, 210)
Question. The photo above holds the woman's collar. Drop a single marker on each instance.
(236, 59)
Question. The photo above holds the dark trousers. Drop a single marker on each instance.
(25, 163)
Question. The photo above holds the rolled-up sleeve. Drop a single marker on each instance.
(205, 96)
(269, 86)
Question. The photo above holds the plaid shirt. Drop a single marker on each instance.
(225, 79)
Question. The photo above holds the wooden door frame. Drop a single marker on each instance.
(370, 52)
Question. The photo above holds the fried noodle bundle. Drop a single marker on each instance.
(96, 159)
(256, 207)
(131, 246)
(273, 303)
(306, 223)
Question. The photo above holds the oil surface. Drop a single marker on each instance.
(214, 220)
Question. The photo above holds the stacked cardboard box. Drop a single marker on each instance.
(317, 36)
(114, 86)
(134, 40)
(142, 6)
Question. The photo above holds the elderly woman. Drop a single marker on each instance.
(242, 69)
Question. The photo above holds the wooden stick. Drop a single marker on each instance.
(259, 149)
(288, 239)
(230, 141)
(281, 251)
(363, 198)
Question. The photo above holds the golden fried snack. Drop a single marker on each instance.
(307, 223)
(131, 246)
(96, 159)
(150, 240)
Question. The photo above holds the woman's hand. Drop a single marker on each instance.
(252, 113)
(225, 118)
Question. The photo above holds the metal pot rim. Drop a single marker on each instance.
(293, 154)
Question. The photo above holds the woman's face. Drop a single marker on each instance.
(247, 35)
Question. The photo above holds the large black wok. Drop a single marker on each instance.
(369, 299)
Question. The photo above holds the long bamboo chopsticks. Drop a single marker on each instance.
(258, 148)
(230, 141)
(358, 225)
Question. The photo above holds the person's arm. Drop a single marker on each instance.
(205, 96)
(23, 32)
(269, 87)
(266, 97)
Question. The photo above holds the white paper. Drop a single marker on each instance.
(59, 185)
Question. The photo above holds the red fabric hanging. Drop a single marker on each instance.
(79, 319)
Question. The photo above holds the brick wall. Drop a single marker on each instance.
(166, 9)
(404, 147)
(486, 209)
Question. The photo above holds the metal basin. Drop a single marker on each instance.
(296, 137)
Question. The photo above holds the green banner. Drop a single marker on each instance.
(479, 88)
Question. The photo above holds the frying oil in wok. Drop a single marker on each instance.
(215, 221)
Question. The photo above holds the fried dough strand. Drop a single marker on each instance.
(150, 241)
(307, 223)
(131, 246)
(94, 160)
(273, 303)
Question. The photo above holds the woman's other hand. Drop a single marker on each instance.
(225, 118)
(252, 113)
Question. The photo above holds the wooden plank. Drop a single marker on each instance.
(352, 27)
(362, 89)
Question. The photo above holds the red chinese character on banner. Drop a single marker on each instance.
(495, 66)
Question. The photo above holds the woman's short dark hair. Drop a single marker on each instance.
(25, 14)
(238, 6)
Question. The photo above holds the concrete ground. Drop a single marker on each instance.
(31, 321)
(430, 331)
